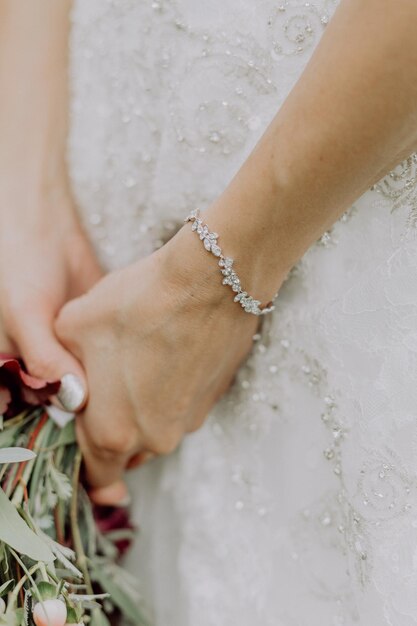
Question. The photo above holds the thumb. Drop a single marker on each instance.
(47, 359)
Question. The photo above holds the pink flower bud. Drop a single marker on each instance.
(50, 613)
(2, 606)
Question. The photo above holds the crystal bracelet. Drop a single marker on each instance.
(209, 239)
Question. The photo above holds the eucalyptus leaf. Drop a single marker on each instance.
(16, 455)
(66, 435)
(6, 587)
(98, 618)
(17, 534)
(63, 554)
(73, 616)
(121, 599)
(12, 619)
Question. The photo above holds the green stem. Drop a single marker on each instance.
(43, 571)
(28, 576)
(78, 544)
(19, 491)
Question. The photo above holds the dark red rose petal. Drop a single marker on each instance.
(5, 399)
(24, 390)
(109, 518)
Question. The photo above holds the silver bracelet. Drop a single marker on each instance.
(209, 239)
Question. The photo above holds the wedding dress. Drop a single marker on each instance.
(296, 503)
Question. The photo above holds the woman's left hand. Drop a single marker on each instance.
(160, 342)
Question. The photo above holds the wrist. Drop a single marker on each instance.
(38, 205)
(205, 276)
(247, 236)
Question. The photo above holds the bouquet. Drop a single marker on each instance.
(58, 553)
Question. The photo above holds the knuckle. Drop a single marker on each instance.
(166, 443)
(115, 443)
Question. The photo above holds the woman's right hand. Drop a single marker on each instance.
(45, 259)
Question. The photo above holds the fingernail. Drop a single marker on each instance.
(71, 393)
(125, 502)
(59, 416)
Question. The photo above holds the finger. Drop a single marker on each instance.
(103, 468)
(47, 359)
(68, 322)
(116, 494)
(140, 459)
(7, 346)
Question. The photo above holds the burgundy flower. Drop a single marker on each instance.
(111, 518)
(19, 390)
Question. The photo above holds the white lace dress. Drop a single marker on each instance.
(296, 503)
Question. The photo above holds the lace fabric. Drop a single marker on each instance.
(296, 503)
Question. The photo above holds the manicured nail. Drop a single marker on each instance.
(71, 393)
(59, 416)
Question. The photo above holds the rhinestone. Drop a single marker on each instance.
(337, 434)
(329, 401)
(326, 520)
(216, 250)
(214, 137)
(194, 226)
(226, 262)
(207, 244)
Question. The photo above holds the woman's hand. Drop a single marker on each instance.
(160, 342)
(45, 259)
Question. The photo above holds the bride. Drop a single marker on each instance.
(292, 126)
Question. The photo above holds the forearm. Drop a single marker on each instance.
(351, 118)
(33, 87)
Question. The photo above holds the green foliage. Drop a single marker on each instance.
(50, 545)
(17, 534)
